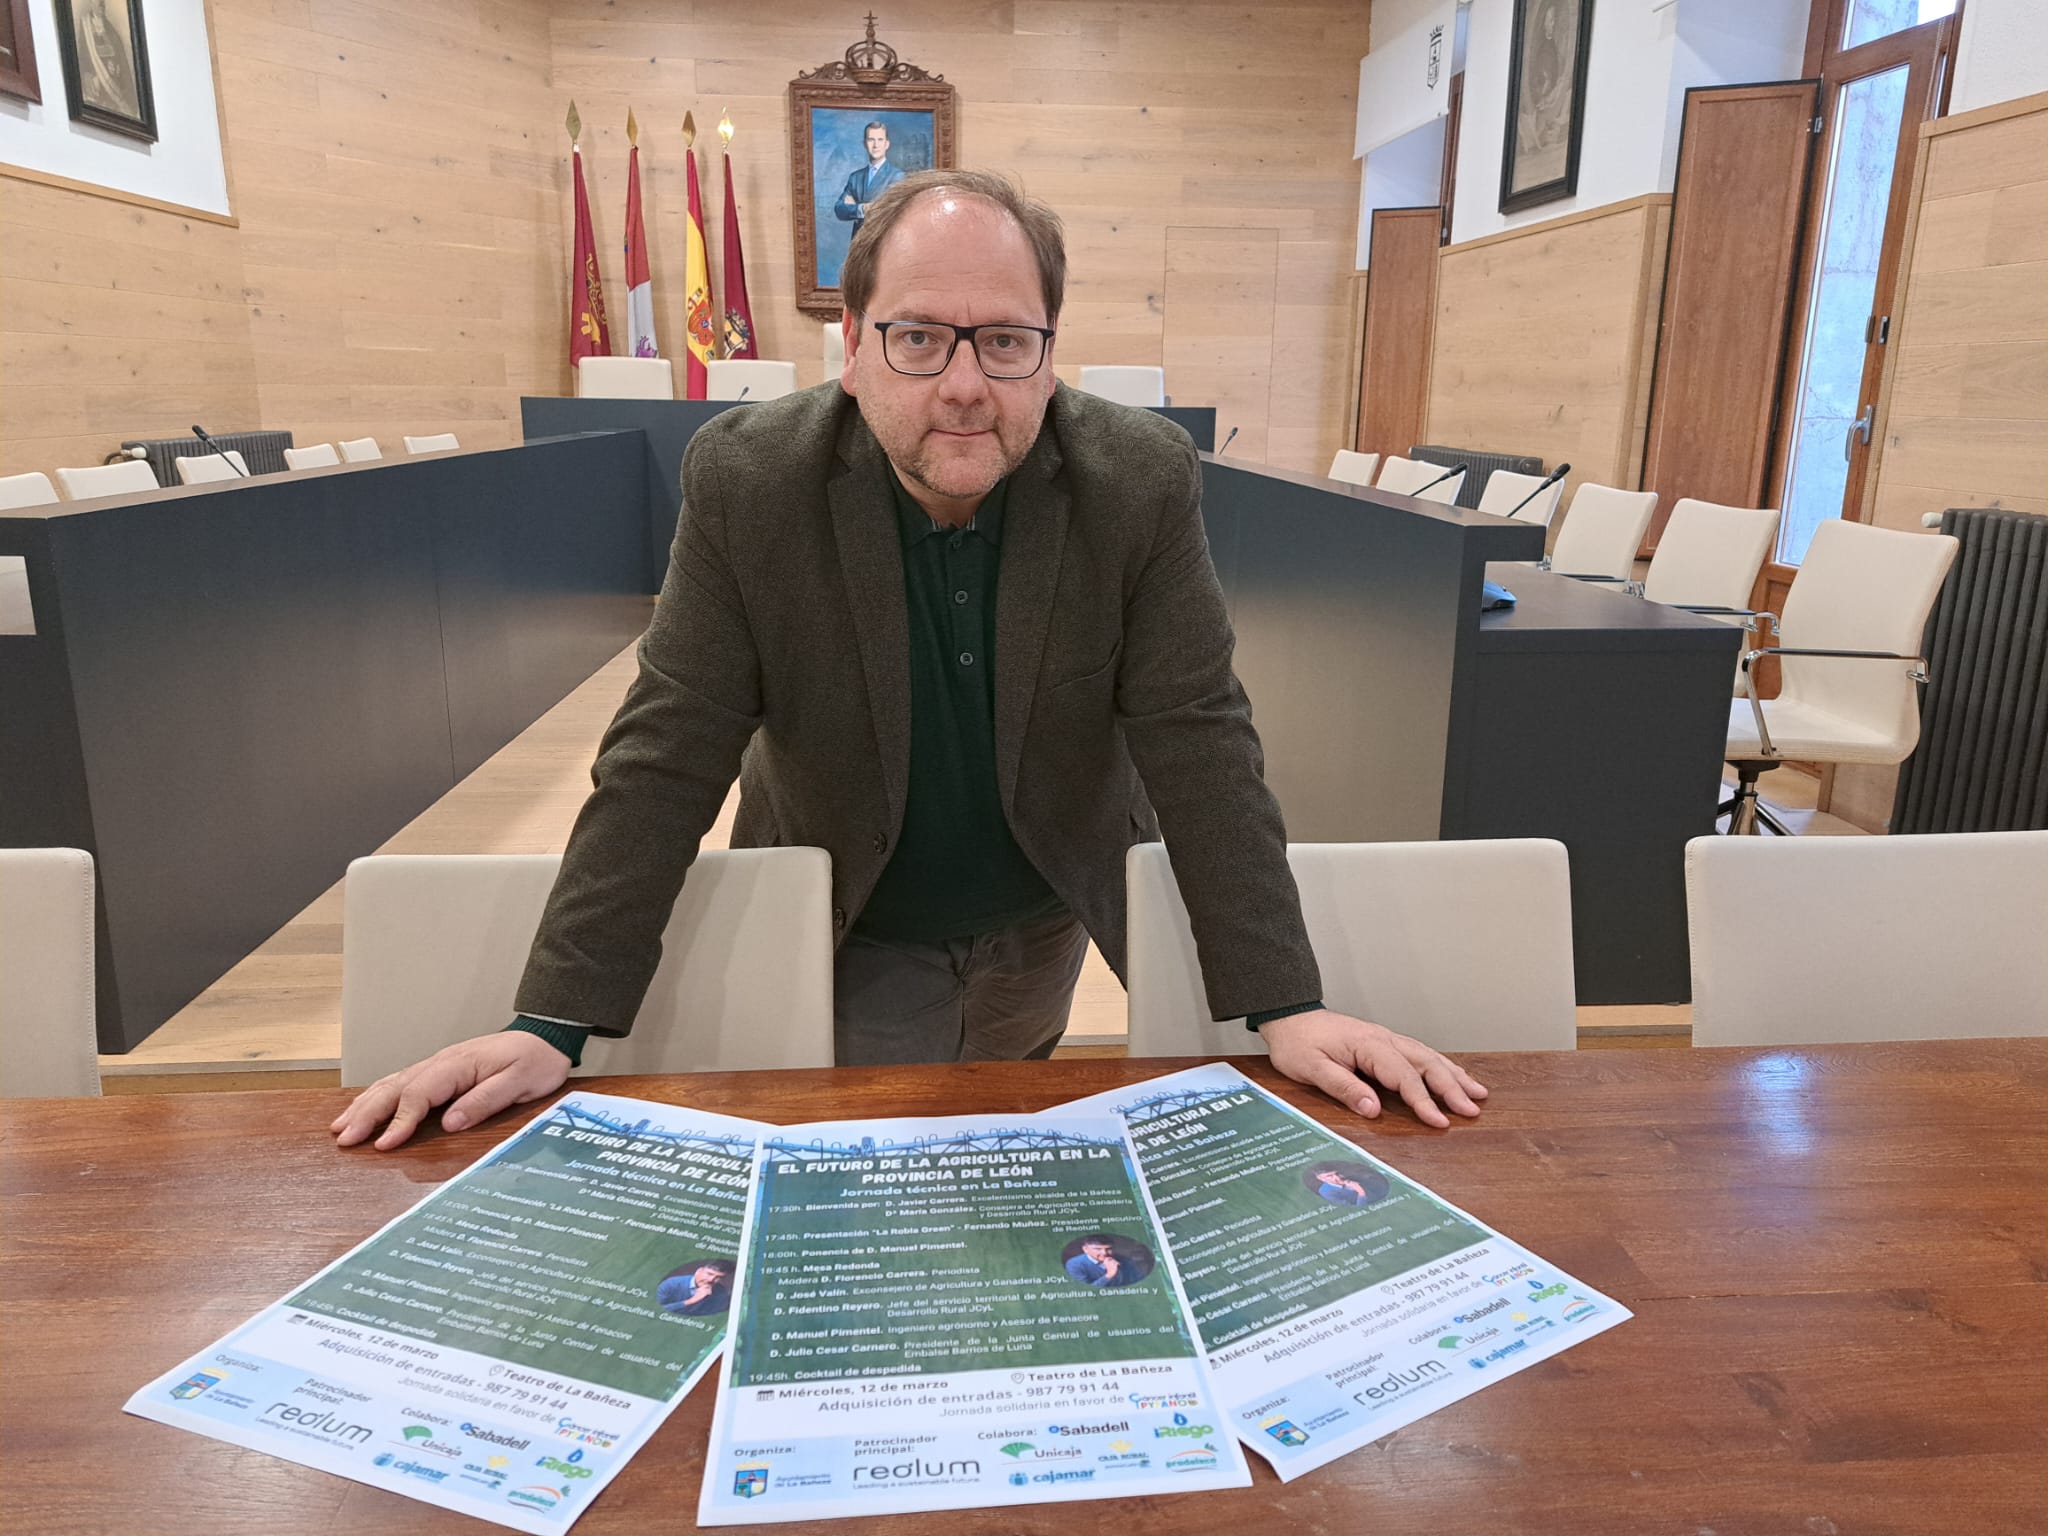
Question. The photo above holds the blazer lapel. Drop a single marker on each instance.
(1034, 534)
(871, 559)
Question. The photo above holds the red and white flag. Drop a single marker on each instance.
(639, 277)
(739, 315)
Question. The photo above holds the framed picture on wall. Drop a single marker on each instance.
(856, 127)
(1546, 101)
(18, 53)
(106, 65)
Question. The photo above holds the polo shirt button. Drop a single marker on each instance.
(881, 843)
(839, 917)
(959, 597)
(967, 658)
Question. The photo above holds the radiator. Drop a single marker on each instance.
(1482, 467)
(262, 451)
(1984, 716)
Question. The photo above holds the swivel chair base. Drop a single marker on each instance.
(1747, 815)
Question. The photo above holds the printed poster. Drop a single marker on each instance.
(954, 1314)
(1336, 1300)
(504, 1347)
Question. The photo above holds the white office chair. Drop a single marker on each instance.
(438, 442)
(1465, 945)
(755, 377)
(1126, 386)
(1602, 530)
(1353, 468)
(1510, 494)
(205, 468)
(1850, 639)
(1709, 555)
(48, 1047)
(30, 490)
(360, 450)
(1409, 477)
(116, 479)
(433, 946)
(625, 378)
(313, 456)
(1812, 939)
(835, 348)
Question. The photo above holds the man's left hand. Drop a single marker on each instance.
(1343, 1057)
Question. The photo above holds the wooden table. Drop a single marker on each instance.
(1836, 1258)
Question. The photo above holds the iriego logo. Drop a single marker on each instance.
(324, 1426)
(565, 1469)
(1543, 1292)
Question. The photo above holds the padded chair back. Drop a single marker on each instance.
(314, 456)
(433, 947)
(438, 442)
(835, 348)
(1709, 555)
(205, 468)
(48, 1048)
(1353, 468)
(625, 378)
(1407, 477)
(756, 378)
(1602, 530)
(1507, 490)
(360, 450)
(107, 479)
(30, 490)
(1126, 386)
(1810, 939)
(1863, 589)
(1465, 945)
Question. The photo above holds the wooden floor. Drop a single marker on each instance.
(274, 1021)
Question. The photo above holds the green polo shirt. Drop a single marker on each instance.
(955, 870)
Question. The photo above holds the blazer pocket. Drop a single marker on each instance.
(1093, 674)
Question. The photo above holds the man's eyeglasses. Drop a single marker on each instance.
(924, 348)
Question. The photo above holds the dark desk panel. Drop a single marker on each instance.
(236, 688)
(1391, 708)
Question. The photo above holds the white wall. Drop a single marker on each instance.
(1644, 58)
(184, 166)
(2002, 53)
(1408, 173)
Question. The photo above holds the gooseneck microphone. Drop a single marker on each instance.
(1549, 480)
(200, 433)
(1227, 442)
(745, 390)
(1455, 469)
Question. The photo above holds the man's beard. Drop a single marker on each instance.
(925, 466)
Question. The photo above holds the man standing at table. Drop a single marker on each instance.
(870, 181)
(957, 625)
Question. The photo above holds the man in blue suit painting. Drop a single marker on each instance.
(867, 183)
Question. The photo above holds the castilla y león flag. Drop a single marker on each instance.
(639, 278)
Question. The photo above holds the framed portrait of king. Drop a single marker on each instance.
(857, 126)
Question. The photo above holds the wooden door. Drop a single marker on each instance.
(1737, 220)
(1400, 315)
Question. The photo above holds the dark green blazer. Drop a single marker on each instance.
(779, 651)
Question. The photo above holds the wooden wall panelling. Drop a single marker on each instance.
(1218, 347)
(1736, 222)
(1400, 309)
(401, 177)
(1544, 339)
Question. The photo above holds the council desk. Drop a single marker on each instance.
(1836, 1257)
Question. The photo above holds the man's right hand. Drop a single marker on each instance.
(490, 1073)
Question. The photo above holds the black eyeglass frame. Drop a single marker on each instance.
(966, 333)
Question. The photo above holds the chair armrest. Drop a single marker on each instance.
(1916, 669)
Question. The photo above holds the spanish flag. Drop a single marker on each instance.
(698, 330)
